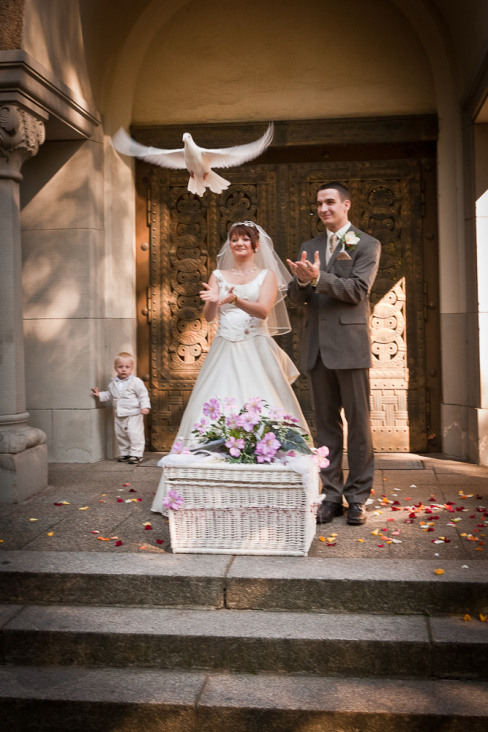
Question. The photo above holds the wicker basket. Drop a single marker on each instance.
(242, 509)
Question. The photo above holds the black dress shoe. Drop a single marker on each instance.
(327, 511)
(356, 514)
(123, 459)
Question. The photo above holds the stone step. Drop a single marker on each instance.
(268, 583)
(246, 641)
(127, 700)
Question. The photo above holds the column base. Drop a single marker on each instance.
(23, 463)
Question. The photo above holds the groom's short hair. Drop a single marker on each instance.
(342, 190)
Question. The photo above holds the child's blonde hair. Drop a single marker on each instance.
(124, 354)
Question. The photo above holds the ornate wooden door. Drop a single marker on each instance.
(180, 234)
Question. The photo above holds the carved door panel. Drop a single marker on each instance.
(386, 203)
(186, 232)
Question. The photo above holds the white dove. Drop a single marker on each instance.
(197, 160)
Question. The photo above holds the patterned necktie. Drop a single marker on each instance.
(333, 243)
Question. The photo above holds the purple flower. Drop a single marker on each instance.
(291, 418)
(267, 448)
(229, 403)
(276, 413)
(200, 426)
(173, 500)
(254, 404)
(212, 409)
(248, 420)
(179, 449)
(320, 455)
(235, 446)
(232, 421)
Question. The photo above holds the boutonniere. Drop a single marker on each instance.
(349, 241)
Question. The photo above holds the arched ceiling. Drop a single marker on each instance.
(282, 60)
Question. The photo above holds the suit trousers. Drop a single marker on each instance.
(332, 390)
(129, 432)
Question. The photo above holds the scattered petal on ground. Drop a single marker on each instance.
(438, 571)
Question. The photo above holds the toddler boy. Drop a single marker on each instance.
(131, 401)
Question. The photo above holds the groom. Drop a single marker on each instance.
(333, 278)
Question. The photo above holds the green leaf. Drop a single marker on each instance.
(292, 440)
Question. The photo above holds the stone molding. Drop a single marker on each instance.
(21, 134)
(19, 438)
(25, 82)
(333, 131)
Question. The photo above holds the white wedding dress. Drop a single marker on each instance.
(243, 362)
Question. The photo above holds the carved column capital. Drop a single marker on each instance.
(21, 133)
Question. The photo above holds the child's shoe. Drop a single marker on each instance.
(133, 460)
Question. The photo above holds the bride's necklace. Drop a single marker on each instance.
(243, 274)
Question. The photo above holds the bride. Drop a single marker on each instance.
(247, 293)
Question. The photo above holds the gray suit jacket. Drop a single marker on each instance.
(337, 310)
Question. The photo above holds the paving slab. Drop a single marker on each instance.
(78, 577)
(241, 641)
(67, 528)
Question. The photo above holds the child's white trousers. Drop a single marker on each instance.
(129, 432)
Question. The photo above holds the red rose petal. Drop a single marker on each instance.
(120, 500)
(118, 543)
(132, 490)
(148, 527)
(159, 541)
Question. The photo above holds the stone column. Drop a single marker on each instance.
(23, 452)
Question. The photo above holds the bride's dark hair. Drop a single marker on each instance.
(245, 230)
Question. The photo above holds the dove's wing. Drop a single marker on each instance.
(124, 144)
(227, 157)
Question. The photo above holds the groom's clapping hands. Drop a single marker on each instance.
(305, 270)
